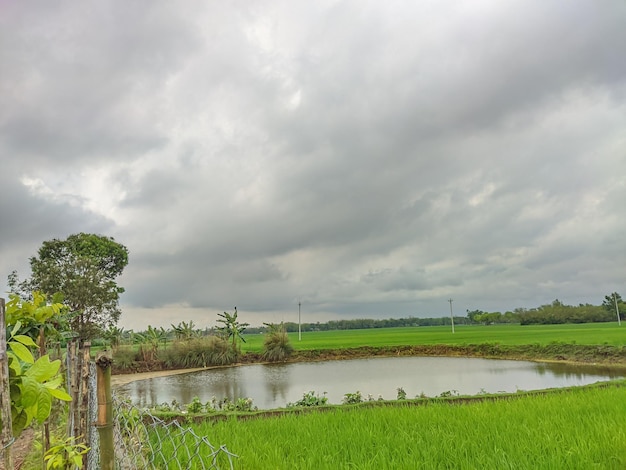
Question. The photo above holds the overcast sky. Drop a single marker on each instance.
(372, 159)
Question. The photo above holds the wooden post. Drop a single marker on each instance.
(104, 422)
(5, 395)
(84, 390)
(72, 372)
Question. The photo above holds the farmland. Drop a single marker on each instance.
(577, 428)
(584, 334)
(572, 428)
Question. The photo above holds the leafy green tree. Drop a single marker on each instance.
(609, 304)
(84, 269)
(232, 328)
(149, 342)
(184, 331)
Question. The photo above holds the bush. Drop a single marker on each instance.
(124, 357)
(199, 352)
(352, 398)
(309, 399)
(276, 346)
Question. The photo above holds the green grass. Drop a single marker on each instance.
(586, 333)
(574, 429)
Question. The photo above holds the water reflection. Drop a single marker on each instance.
(273, 386)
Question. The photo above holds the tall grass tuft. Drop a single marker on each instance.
(276, 345)
(198, 352)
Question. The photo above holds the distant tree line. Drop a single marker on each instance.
(558, 312)
(553, 313)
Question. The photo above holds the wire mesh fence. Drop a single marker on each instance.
(146, 441)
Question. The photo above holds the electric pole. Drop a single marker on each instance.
(299, 323)
(619, 322)
(451, 317)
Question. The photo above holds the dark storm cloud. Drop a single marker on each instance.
(367, 158)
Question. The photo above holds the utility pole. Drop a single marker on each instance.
(619, 322)
(451, 317)
(299, 323)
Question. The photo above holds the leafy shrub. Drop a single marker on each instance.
(352, 398)
(309, 399)
(195, 406)
(401, 394)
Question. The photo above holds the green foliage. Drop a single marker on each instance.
(276, 346)
(232, 329)
(149, 342)
(613, 301)
(401, 394)
(352, 398)
(576, 429)
(557, 313)
(83, 268)
(198, 352)
(184, 331)
(310, 399)
(66, 455)
(34, 383)
(196, 406)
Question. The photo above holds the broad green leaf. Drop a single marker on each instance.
(60, 394)
(44, 405)
(14, 365)
(16, 328)
(43, 369)
(22, 352)
(19, 423)
(25, 340)
(30, 391)
(54, 383)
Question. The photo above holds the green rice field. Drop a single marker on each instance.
(581, 428)
(585, 333)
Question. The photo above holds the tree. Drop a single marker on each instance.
(232, 329)
(184, 331)
(83, 268)
(610, 301)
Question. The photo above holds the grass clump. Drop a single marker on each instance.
(276, 345)
(198, 352)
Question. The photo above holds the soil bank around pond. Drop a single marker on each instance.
(611, 356)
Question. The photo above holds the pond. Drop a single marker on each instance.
(276, 385)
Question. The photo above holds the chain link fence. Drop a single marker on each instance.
(145, 441)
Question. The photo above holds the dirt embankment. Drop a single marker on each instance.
(610, 356)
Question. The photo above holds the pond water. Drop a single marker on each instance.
(273, 386)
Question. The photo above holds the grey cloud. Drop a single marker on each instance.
(372, 159)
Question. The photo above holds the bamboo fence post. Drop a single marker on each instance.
(84, 394)
(5, 396)
(104, 422)
(72, 371)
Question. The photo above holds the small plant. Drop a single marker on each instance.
(66, 455)
(195, 406)
(401, 394)
(310, 399)
(352, 398)
(244, 404)
(449, 393)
